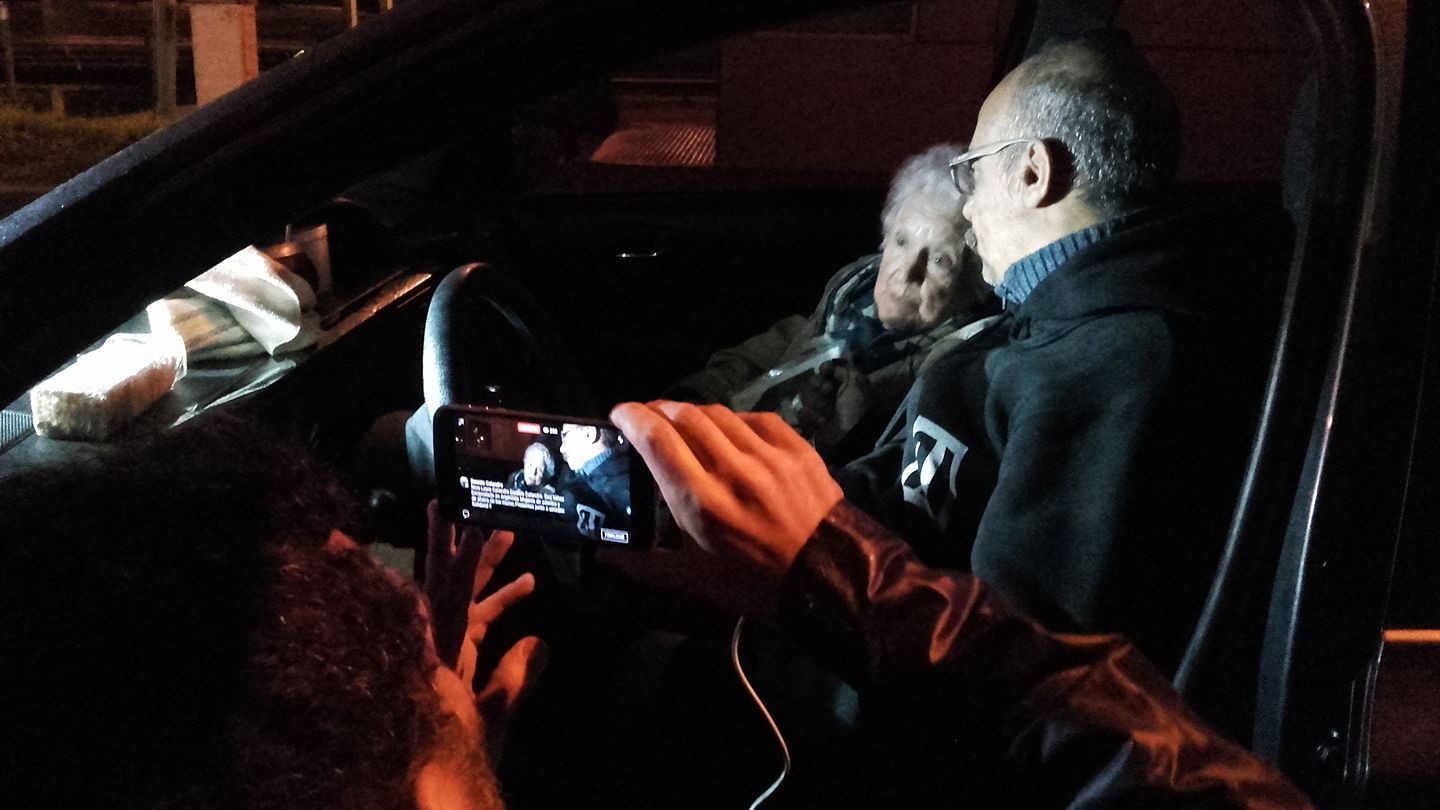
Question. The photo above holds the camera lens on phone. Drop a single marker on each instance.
(477, 433)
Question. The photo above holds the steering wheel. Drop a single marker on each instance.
(488, 342)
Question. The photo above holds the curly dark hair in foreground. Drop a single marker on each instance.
(177, 634)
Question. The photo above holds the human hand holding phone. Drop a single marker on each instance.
(746, 488)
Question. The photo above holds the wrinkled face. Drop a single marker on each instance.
(535, 466)
(918, 285)
(994, 208)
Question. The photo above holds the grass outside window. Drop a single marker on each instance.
(44, 148)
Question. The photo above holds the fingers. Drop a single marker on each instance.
(467, 663)
(834, 369)
(518, 670)
(822, 389)
(845, 375)
(468, 550)
(710, 446)
(720, 433)
(482, 614)
(740, 435)
(816, 407)
(487, 610)
(773, 431)
(511, 682)
(696, 424)
(440, 534)
(669, 458)
(490, 552)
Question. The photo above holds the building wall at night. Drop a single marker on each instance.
(865, 93)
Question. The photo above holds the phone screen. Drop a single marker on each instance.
(558, 476)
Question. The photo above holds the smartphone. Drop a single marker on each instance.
(555, 476)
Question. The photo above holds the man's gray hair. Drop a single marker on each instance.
(926, 175)
(1098, 98)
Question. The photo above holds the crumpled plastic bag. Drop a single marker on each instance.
(247, 305)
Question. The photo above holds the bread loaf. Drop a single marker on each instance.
(105, 389)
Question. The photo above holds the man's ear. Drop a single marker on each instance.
(1036, 174)
(1045, 173)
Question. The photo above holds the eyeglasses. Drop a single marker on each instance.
(962, 168)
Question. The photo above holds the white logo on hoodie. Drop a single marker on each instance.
(936, 455)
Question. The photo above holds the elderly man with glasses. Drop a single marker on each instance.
(1083, 454)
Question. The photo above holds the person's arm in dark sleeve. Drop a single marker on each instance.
(767, 530)
(1089, 712)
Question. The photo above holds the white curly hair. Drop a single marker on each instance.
(926, 175)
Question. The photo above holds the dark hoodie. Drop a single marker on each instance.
(1083, 455)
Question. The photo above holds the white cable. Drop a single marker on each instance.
(780, 738)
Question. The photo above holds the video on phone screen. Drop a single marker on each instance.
(555, 478)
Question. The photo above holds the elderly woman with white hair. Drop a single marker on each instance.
(876, 321)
